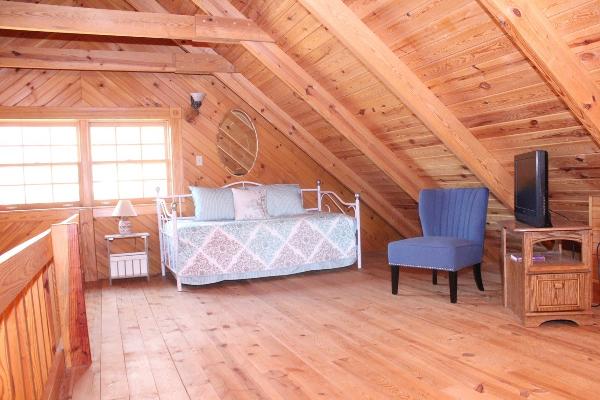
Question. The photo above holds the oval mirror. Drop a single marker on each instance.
(237, 143)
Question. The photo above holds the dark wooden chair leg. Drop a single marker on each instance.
(395, 278)
(477, 275)
(434, 276)
(453, 282)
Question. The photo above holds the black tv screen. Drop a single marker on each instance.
(531, 189)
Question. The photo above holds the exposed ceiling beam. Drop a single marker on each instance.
(92, 21)
(107, 60)
(531, 31)
(381, 61)
(317, 151)
(401, 169)
(262, 104)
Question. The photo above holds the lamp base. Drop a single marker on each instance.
(124, 227)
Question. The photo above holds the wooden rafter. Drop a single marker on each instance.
(106, 60)
(381, 61)
(531, 31)
(401, 169)
(91, 21)
(317, 151)
(282, 121)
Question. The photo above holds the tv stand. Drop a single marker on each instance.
(542, 282)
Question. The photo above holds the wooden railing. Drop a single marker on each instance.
(43, 325)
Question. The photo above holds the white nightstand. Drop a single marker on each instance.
(128, 265)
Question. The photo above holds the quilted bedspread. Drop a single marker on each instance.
(220, 250)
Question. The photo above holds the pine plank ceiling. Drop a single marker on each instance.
(453, 46)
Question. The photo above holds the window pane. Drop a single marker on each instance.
(150, 188)
(38, 194)
(36, 154)
(128, 135)
(102, 134)
(104, 153)
(38, 174)
(131, 189)
(36, 135)
(118, 171)
(10, 135)
(11, 176)
(12, 195)
(66, 192)
(153, 152)
(104, 172)
(129, 153)
(11, 155)
(155, 171)
(63, 135)
(45, 169)
(65, 174)
(129, 171)
(64, 154)
(105, 190)
(153, 134)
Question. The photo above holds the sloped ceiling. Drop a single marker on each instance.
(457, 49)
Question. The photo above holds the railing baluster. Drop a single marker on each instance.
(6, 384)
(14, 355)
(25, 353)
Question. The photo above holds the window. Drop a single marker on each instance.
(82, 162)
(38, 164)
(129, 160)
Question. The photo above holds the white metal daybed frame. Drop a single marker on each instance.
(168, 254)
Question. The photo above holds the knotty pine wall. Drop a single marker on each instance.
(464, 57)
(279, 160)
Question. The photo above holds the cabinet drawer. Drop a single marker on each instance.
(557, 292)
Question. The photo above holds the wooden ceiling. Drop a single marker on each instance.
(455, 47)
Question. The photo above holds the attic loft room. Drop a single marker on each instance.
(299, 199)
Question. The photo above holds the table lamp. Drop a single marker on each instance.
(123, 210)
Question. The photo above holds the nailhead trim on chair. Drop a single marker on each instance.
(425, 267)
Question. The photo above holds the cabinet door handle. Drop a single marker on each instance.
(558, 285)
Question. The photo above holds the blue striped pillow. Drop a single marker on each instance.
(284, 200)
(212, 204)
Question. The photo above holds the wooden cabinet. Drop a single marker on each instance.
(547, 273)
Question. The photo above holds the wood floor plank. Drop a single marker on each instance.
(333, 335)
(113, 373)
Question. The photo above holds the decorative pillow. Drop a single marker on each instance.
(284, 200)
(212, 204)
(250, 204)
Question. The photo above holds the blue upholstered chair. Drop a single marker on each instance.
(453, 222)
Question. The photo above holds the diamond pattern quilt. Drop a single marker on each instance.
(221, 250)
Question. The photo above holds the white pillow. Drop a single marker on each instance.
(250, 204)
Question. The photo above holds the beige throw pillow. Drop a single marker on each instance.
(250, 204)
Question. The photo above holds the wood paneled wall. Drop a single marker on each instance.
(453, 46)
(279, 160)
(464, 57)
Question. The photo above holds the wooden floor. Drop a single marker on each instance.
(338, 334)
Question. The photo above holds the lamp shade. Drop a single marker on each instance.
(124, 208)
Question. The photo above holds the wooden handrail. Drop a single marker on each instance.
(43, 326)
(21, 264)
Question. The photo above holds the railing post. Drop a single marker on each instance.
(319, 194)
(71, 301)
(358, 233)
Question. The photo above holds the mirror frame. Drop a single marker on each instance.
(243, 118)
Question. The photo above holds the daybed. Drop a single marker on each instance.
(202, 252)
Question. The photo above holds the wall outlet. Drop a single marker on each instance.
(199, 161)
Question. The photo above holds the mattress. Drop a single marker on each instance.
(213, 251)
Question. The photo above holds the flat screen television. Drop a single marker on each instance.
(531, 189)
